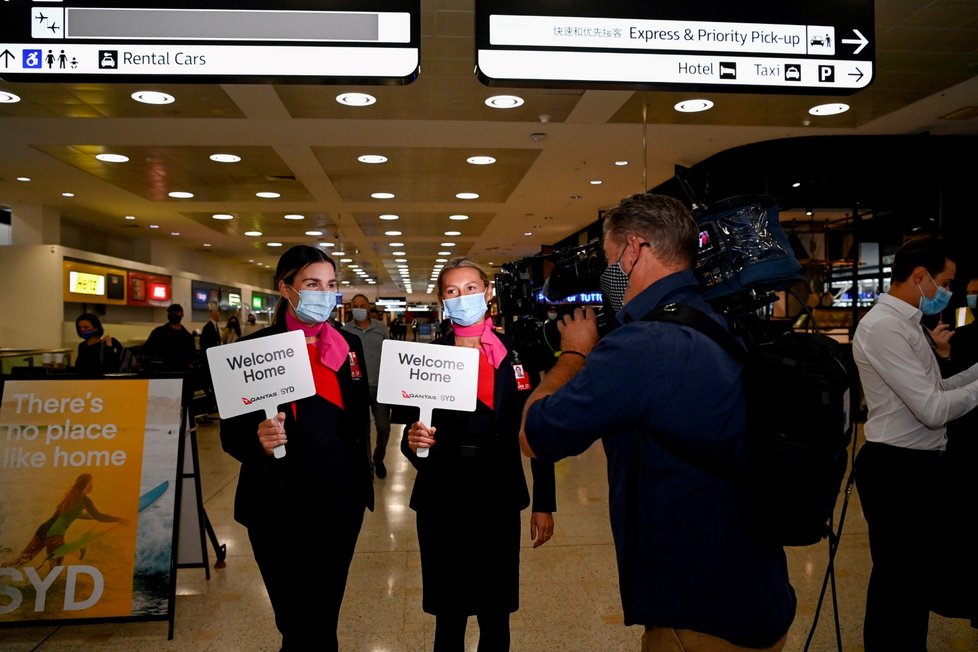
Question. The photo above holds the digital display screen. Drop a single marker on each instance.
(200, 296)
(705, 241)
(159, 292)
(257, 303)
(86, 283)
(234, 299)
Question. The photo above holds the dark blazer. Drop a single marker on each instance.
(442, 480)
(327, 454)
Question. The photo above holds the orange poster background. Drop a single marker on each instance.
(39, 463)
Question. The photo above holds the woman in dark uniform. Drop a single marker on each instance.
(327, 462)
(470, 488)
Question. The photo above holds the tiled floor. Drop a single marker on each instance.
(569, 595)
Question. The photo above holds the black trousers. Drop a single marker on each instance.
(305, 576)
(899, 489)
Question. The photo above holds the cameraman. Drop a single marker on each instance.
(688, 570)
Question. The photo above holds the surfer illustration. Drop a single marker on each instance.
(50, 535)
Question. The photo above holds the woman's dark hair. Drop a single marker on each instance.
(234, 325)
(293, 261)
(93, 319)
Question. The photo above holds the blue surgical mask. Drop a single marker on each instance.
(87, 334)
(971, 301)
(315, 306)
(360, 314)
(938, 302)
(466, 309)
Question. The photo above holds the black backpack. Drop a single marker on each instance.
(797, 390)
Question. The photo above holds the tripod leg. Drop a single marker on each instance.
(220, 549)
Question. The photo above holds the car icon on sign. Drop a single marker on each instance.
(792, 73)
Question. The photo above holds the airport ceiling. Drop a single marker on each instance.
(551, 152)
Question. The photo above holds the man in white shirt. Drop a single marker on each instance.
(898, 468)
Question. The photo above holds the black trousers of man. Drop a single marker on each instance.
(899, 492)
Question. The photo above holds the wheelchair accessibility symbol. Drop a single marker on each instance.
(32, 59)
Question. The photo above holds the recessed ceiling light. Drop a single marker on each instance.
(458, 218)
(447, 244)
(174, 233)
(339, 253)
(206, 244)
(596, 182)
(694, 106)
(268, 195)
(327, 244)
(253, 234)
(398, 253)
(371, 282)
(153, 97)
(796, 184)
(130, 217)
(112, 158)
(355, 99)
(6, 97)
(344, 283)
(453, 233)
(467, 195)
(528, 233)
(346, 260)
(154, 226)
(400, 260)
(829, 109)
(441, 260)
(372, 159)
(402, 266)
(504, 101)
(392, 233)
(314, 233)
(274, 244)
(390, 217)
(225, 158)
(444, 253)
(295, 216)
(382, 195)
(481, 160)
(621, 163)
(67, 194)
(23, 179)
(180, 194)
(222, 216)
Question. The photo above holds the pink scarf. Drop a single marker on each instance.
(333, 349)
(494, 349)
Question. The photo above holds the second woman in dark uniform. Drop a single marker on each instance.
(470, 490)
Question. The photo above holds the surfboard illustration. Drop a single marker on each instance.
(145, 501)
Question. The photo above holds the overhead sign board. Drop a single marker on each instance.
(373, 41)
(805, 46)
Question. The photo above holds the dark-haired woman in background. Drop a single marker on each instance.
(231, 331)
(324, 482)
(98, 353)
(470, 489)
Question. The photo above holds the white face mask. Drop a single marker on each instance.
(360, 314)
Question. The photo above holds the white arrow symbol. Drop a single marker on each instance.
(862, 41)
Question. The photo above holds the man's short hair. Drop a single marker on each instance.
(175, 307)
(929, 252)
(662, 220)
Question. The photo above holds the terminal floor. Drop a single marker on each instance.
(569, 590)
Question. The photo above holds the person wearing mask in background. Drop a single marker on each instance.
(372, 334)
(210, 335)
(98, 353)
(231, 331)
(324, 479)
(551, 313)
(470, 488)
(957, 573)
(251, 324)
(170, 347)
(689, 570)
(898, 469)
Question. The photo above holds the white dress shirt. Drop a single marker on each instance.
(909, 403)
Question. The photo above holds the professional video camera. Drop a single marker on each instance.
(564, 279)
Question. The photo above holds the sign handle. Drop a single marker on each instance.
(425, 418)
(271, 412)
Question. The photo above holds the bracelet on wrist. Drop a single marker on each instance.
(571, 352)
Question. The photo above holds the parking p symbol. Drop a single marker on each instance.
(826, 74)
